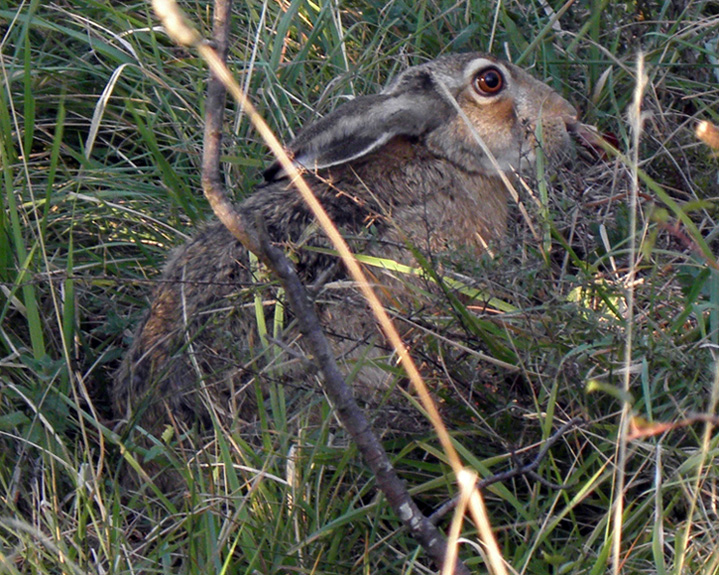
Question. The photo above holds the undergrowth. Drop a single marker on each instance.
(100, 145)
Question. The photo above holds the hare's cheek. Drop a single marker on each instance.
(491, 115)
(513, 146)
(493, 126)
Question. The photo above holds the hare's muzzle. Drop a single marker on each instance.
(558, 107)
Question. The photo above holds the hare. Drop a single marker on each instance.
(401, 167)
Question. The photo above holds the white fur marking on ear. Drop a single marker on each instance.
(313, 159)
(360, 128)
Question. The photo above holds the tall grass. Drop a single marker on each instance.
(100, 138)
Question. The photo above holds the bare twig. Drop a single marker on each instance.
(528, 469)
(215, 108)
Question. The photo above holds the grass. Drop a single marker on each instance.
(100, 140)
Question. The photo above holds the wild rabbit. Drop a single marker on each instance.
(399, 167)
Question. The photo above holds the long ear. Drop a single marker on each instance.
(410, 107)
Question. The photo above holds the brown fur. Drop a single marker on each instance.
(429, 184)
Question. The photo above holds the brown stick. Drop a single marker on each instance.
(214, 108)
(212, 178)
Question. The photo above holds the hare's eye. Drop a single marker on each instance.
(489, 81)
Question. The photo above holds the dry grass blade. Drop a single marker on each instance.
(636, 121)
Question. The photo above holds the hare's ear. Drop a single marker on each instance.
(410, 107)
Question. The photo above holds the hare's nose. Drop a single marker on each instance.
(570, 117)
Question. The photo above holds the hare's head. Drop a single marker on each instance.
(502, 115)
(478, 112)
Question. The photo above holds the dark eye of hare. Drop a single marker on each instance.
(489, 81)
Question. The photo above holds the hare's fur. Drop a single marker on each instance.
(400, 166)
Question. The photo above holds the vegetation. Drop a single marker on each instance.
(601, 308)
